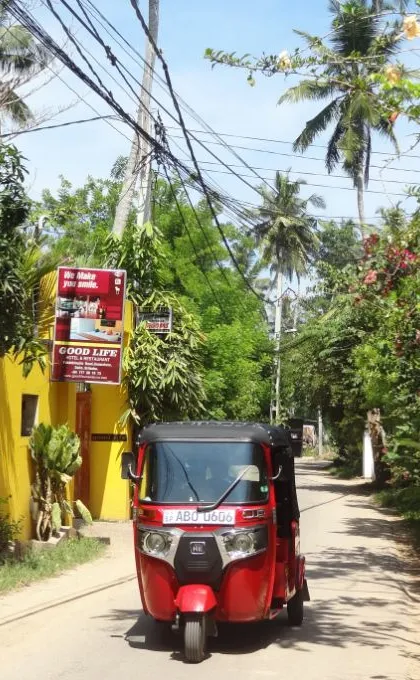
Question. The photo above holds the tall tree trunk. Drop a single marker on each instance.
(139, 148)
(378, 439)
(360, 187)
(296, 312)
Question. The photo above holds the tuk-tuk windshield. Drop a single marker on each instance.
(191, 472)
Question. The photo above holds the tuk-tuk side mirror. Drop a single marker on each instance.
(277, 465)
(128, 464)
(276, 473)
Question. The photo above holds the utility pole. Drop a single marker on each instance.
(277, 333)
(320, 433)
(139, 160)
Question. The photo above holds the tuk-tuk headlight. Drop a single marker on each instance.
(155, 543)
(239, 544)
(243, 543)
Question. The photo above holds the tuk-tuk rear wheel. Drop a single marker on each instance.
(195, 638)
(295, 609)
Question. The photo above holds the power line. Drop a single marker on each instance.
(295, 155)
(39, 32)
(198, 256)
(114, 61)
(184, 105)
(58, 125)
(57, 75)
(174, 160)
(191, 150)
(109, 98)
(110, 56)
(322, 186)
(95, 34)
(312, 174)
(276, 141)
(160, 80)
(161, 132)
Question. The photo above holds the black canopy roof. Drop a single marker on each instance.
(259, 433)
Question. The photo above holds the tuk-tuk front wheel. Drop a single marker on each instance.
(195, 638)
(295, 609)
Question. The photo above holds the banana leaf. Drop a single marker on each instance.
(56, 517)
(83, 512)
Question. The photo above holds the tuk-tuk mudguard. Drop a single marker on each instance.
(158, 588)
(195, 598)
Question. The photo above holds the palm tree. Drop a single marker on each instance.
(285, 231)
(21, 59)
(286, 236)
(354, 108)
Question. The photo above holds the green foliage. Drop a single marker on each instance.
(83, 511)
(239, 362)
(24, 317)
(21, 59)
(360, 346)
(56, 517)
(350, 72)
(36, 565)
(81, 219)
(13, 211)
(9, 530)
(55, 452)
(284, 229)
(163, 375)
(405, 501)
(56, 449)
(177, 259)
(140, 252)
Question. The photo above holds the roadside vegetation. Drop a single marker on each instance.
(356, 354)
(38, 564)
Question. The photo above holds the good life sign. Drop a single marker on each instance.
(89, 325)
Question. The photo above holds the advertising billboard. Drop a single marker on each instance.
(89, 325)
(157, 321)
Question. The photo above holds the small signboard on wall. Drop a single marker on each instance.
(89, 326)
(158, 321)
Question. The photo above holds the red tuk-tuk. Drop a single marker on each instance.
(216, 526)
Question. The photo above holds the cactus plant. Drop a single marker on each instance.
(55, 452)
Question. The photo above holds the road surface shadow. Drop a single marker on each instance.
(307, 467)
(327, 623)
(325, 485)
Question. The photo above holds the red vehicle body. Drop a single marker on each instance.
(216, 526)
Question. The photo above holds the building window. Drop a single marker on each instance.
(29, 414)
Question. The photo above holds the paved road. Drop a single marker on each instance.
(360, 625)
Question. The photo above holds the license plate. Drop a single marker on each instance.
(194, 517)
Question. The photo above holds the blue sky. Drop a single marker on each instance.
(220, 96)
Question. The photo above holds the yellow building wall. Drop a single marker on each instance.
(15, 460)
(109, 494)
